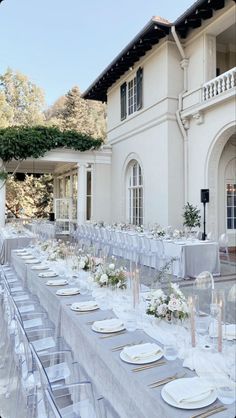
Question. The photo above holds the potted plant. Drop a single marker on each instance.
(192, 217)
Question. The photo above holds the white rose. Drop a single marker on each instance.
(112, 266)
(161, 310)
(104, 278)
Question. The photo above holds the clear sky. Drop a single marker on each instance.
(62, 43)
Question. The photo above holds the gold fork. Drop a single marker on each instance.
(164, 381)
(120, 347)
(210, 411)
(149, 366)
(115, 334)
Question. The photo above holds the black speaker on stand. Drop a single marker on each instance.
(205, 197)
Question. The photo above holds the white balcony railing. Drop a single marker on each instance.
(218, 85)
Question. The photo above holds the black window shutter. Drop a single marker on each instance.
(123, 101)
(139, 88)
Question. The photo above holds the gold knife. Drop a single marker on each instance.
(209, 412)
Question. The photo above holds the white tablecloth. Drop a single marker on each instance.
(127, 392)
(194, 257)
(11, 241)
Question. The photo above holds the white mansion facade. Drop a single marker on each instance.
(171, 120)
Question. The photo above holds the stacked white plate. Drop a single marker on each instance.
(27, 257)
(59, 282)
(48, 274)
(33, 261)
(89, 305)
(40, 268)
(141, 353)
(68, 292)
(108, 326)
(189, 393)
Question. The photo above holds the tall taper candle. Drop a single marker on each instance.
(191, 304)
(220, 334)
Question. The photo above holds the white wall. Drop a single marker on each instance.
(101, 192)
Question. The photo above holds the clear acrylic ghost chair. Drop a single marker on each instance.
(58, 365)
(61, 390)
(223, 245)
(210, 236)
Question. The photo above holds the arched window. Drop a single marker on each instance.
(135, 193)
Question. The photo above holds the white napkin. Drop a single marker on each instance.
(142, 351)
(108, 324)
(188, 390)
(48, 274)
(70, 291)
(88, 304)
(59, 282)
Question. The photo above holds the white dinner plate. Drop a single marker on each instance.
(32, 262)
(58, 282)
(39, 268)
(146, 360)
(121, 328)
(68, 292)
(80, 308)
(48, 274)
(191, 405)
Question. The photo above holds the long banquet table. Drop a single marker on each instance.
(10, 240)
(126, 391)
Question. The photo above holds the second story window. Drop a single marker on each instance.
(131, 95)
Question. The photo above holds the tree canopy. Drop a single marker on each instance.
(21, 101)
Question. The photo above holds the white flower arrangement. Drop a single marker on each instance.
(86, 262)
(169, 306)
(111, 276)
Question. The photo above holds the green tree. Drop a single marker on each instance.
(31, 198)
(22, 99)
(73, 112)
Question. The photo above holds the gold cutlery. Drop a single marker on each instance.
(149, 366)
(164, 381)
(120, 347)
(210, 411)
(115, 334)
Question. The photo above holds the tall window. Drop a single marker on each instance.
(231, 205)
(135, 194)
(131, 95)
(89, 196)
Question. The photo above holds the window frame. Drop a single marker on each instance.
(131, 95)
(230, 182)
(135, 194)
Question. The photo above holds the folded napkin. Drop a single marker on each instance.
(56, 282)
(70, 291)
(188, 390)
(108, 324)
(142, 351)
(88, 304)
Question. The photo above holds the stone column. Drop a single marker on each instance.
(81, 194)
(2, 199)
